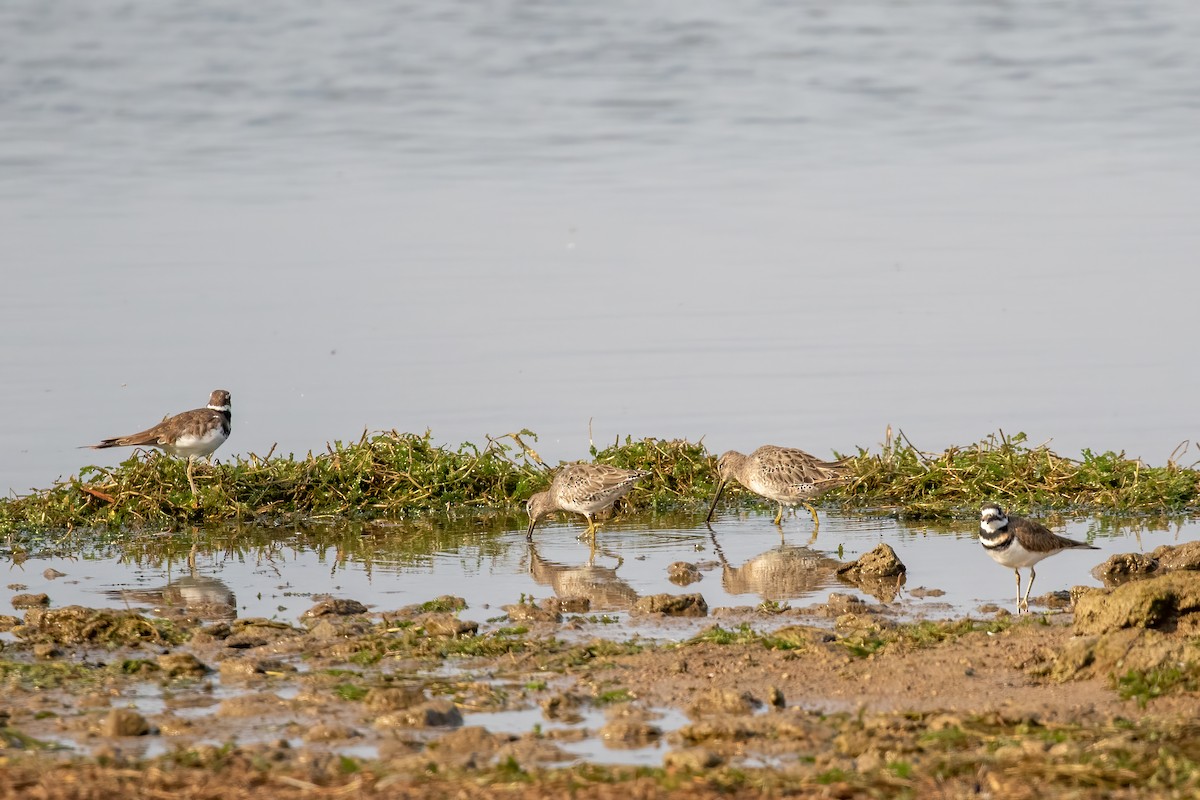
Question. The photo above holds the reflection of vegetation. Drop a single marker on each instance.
(391, 475)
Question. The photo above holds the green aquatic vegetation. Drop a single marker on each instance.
(794, 638)
(1145, 685)
(46, 675)
(350, 691)
(612, 696)
(1007, 470)
(393, 475)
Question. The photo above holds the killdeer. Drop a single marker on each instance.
(783, 474)
(195, 433)
(1019, 542)
(583, 489)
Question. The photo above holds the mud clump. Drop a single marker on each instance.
(629, 730)
(21, 601)
(124, 722)
(434, 714)
(723, 701)
(683, 573)
(1124, 567)
(446, 624)
(1142, 625)
(176, 665)
(524, 612)
(335, 606)
(1177, 557)
(880, 573)
(1153, 603)
(670, 605)
(563, 706)
(393, 698)
(882, 562)
(80, 625)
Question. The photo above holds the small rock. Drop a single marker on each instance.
(570, 605)
(336, 606)
(393, 698)
(329, 732)
(881, 562)
(52, 574)
(1055, 599)
(839, 604)
(434, 714)
(46, 650)
(671, 605)
(1123, 566)
(563, 707)
(124, 722)
(921, 591)
(440, 624)
(31, 600)
(722, 701)
(176, 665)
(629, 732)
(8, 622)
(245, 668)
(683, 573)
(692, 759)
(1182, 556)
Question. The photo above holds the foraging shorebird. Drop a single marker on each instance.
(1017, 542)
(784, 474)
(195, 433)
(584, 489)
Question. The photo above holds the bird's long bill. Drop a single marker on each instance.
(713, 507)
(529, 533)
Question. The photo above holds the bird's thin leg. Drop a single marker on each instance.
(1032, 575)
(779, 516)
(191, 481)
(1017, 572)
(816, 521)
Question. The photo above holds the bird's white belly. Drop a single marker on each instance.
(1016, 556)
(190, 445)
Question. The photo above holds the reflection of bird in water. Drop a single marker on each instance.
(600, 585)
(205, 597)
(782, 573)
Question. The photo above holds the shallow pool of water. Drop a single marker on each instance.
(744, 560)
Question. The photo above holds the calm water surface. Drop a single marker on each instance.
(743, 561)
(750, 222)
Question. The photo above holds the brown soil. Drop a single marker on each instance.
(865, 708)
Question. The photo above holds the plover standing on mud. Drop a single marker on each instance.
(584, 489)
(784, 474)
(194, 434)
(1017, 542)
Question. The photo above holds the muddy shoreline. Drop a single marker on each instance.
(838, 699)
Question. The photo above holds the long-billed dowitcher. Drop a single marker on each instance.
(195, 433)
(783, 474)
(584, 489)
(1019, 542)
